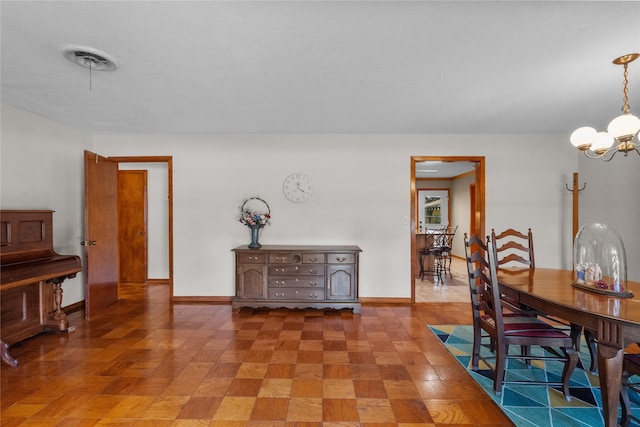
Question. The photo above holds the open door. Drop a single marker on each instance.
(101, 232)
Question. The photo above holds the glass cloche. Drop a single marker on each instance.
(599, 258)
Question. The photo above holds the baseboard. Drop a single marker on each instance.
(376, 300)
(72, 308)
(217, 299)
(157, 281)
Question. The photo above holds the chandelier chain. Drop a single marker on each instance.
(625, 106)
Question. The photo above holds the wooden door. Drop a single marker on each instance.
(101, 231)
(132, 225)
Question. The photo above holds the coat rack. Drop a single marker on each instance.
(576, 194)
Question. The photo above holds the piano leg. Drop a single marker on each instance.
(6, 357)
(57, 320)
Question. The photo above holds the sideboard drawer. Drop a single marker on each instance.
(296, 294)
(249, 258)
(313, 258)
(341, 258)
(297, 282)
(284, 258)
(295, 270)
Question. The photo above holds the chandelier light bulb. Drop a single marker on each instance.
(602, 142)
(624, 126)
(583, 137)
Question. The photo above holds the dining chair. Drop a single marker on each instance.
(630, 367)
(432, 248)
(515, 249)
(509, 329)
(443, 257)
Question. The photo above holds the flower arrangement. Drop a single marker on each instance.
(255, 216)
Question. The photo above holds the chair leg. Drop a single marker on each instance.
(593, 352)
(569, 367)
(624, 400)
(477, 344)
(501, 353)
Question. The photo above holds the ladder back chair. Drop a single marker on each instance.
(515, 249)
(506, 330)
(630, 367)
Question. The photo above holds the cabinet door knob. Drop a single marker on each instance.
(341, 259)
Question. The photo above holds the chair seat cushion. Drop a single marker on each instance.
(633, 358)
(518, 325)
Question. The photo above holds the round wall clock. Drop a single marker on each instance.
(297, 187)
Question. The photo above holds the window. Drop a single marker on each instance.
(433, 209)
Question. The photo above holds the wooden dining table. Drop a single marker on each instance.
(614, 320)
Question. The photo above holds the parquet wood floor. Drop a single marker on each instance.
(147, 362)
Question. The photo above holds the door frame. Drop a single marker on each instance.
(169, 161)
(478, 209)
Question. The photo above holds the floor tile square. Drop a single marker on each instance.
(375, 411)
(339, 410)
(235, 408)
(270, 408)
(304, 409)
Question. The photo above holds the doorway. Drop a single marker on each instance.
(159, 231)
(475, 223)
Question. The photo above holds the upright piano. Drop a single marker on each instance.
(31, 276)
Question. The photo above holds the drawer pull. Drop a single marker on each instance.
(313, 283)
(341, 259)
(313, 295)
(313, 259)
(313, 271)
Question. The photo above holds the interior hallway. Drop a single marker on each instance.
(452, 288)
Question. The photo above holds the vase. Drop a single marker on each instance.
(255, 234)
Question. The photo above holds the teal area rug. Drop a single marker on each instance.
(534, 405)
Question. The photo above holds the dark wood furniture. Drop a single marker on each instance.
(616, 321)
(31, 276)
(297, 277)
(514, 249)
(631, 367)
(512, 246)
(515, 328)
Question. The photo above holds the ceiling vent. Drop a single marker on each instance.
(90, 58)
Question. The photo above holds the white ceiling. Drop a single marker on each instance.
(188, 67)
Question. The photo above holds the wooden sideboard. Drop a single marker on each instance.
(297, 277)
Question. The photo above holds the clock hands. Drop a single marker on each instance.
(300, 188)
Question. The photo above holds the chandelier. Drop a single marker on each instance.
(620, 132)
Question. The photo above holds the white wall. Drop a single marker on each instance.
(612, 197)
(361, 193)
(43, 168)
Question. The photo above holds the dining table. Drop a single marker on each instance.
(614, 318)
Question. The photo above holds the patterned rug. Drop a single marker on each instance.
(535, 405)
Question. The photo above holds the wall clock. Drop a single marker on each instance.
(297, 187)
